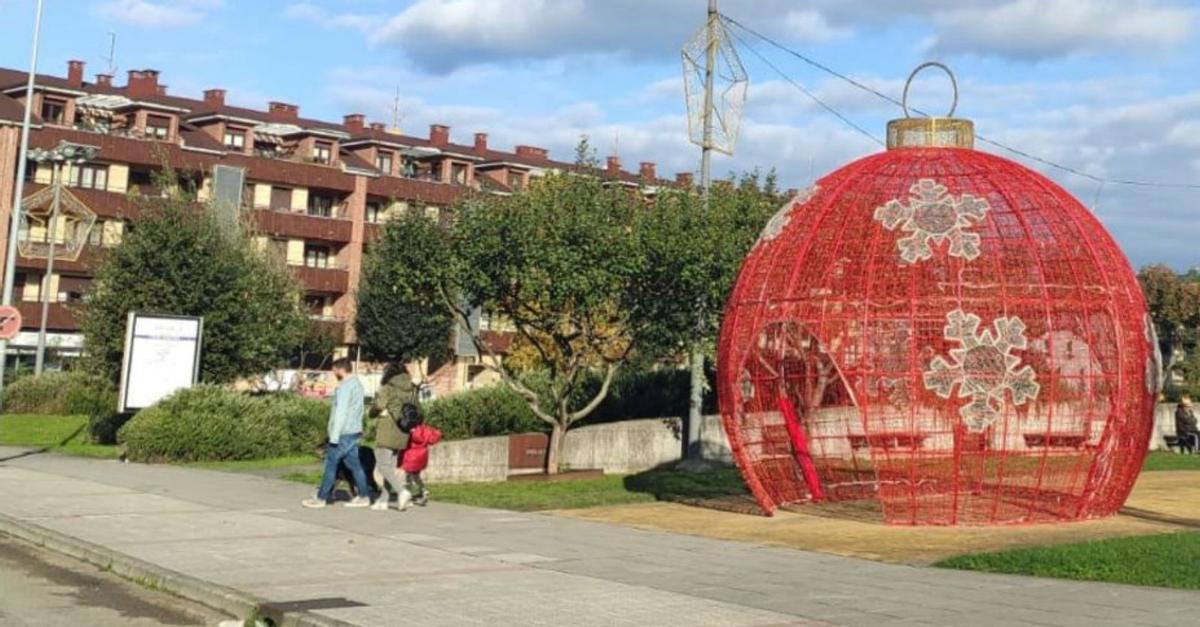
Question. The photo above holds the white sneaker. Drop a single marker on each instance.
(359, 501)
(406, 498)
(380, 504)
(314, 503)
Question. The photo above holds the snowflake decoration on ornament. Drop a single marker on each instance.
(933, 216)
(780, 220)
(983, 367)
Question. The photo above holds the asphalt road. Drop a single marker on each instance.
(41, 588)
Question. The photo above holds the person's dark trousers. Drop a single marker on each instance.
(1190, 442)
(346, 450)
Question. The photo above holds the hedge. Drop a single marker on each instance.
(478, 413)
(60, 393)
(210, 423)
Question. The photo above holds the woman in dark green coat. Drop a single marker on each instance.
(395, 389)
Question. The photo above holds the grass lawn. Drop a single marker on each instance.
(1167, 560)
(1163, 460)
(62, 434)
(529, 496)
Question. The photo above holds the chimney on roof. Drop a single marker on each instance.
(378, 126)
(532, 151)
(481, 143)
(282, 111)
(354, 122)
(439, 134)
(214, 97)
(75, 73)
(683, 179)
(614, 165)
(104, 80)
(646, 170)
(142, 83)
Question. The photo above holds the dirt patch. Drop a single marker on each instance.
(1161, 502)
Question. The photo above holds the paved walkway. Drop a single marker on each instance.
(451, 565)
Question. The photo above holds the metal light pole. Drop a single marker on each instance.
(65, 154)
(10, 261)
(708, 57)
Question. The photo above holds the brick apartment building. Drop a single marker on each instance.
(317, 191)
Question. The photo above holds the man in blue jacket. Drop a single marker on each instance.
(345, 431)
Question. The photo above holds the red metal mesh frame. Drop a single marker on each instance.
(838, 355)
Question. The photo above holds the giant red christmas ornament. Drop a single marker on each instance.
(945, 331)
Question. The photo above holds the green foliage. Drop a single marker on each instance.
(210, 423)
(61, 393)
(483, 412)
(400, 315)
(692, 257)
(1174, 304)
(178, 260)
(1167, 560)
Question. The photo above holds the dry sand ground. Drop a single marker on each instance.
(1161, 502)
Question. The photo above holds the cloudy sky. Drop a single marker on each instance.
(1110, 87)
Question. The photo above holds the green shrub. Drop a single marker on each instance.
(209, 423)
(61, 393)
(495, 410)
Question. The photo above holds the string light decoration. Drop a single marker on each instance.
(945, 332)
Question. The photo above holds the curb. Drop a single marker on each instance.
(234, 602)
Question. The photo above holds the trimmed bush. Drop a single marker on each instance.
(210, 423)
(60, 393)
(487, 411)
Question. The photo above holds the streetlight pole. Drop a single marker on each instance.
(48, 280)
(10, 260)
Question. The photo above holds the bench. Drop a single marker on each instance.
(1174, 442)
(1055, 440)
(887, 440)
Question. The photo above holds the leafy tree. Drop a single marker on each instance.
(555, 262)
(693, 255)
(400, 314)
(1174, 305)
(178, 260)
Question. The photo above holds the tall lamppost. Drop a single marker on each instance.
(65, 154)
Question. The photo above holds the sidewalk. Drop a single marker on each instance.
(452, 565)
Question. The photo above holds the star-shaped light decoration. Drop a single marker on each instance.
(933, 216)
(983, 368)
(75, 223)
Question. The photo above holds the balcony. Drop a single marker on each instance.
(85, 264)
(58, 318)
(332, 279)
(298, 225)
(333, 325)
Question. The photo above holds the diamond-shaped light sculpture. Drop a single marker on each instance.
(75, 221)
(729, 86)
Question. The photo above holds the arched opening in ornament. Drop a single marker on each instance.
(798, 418)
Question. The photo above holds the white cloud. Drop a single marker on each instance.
(319, 15)
(1039, 29)
(158, 14)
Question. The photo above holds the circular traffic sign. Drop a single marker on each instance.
(10, 322)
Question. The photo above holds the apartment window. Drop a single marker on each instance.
(30, 171)
(315, 304)
(96, 235)
(266, 149)
(235, 140)
(321, 152)
(89, 176)
(158, 126)
(458, 173)
(514, 180)
(72, 289)
(383, 162)
(321, 206)
(410, 167)
(316, 256)
(281, 198)
(53, 110)
(374, 212)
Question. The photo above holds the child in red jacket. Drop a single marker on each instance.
(416, 457)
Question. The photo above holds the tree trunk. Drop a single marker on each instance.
(554, 449)
(692, 445)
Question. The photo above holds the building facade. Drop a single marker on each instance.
(316, 191)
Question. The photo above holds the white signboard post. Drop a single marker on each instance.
(162, 355)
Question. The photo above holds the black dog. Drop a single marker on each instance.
(366, 457)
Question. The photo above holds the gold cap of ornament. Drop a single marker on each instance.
(930, 132)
